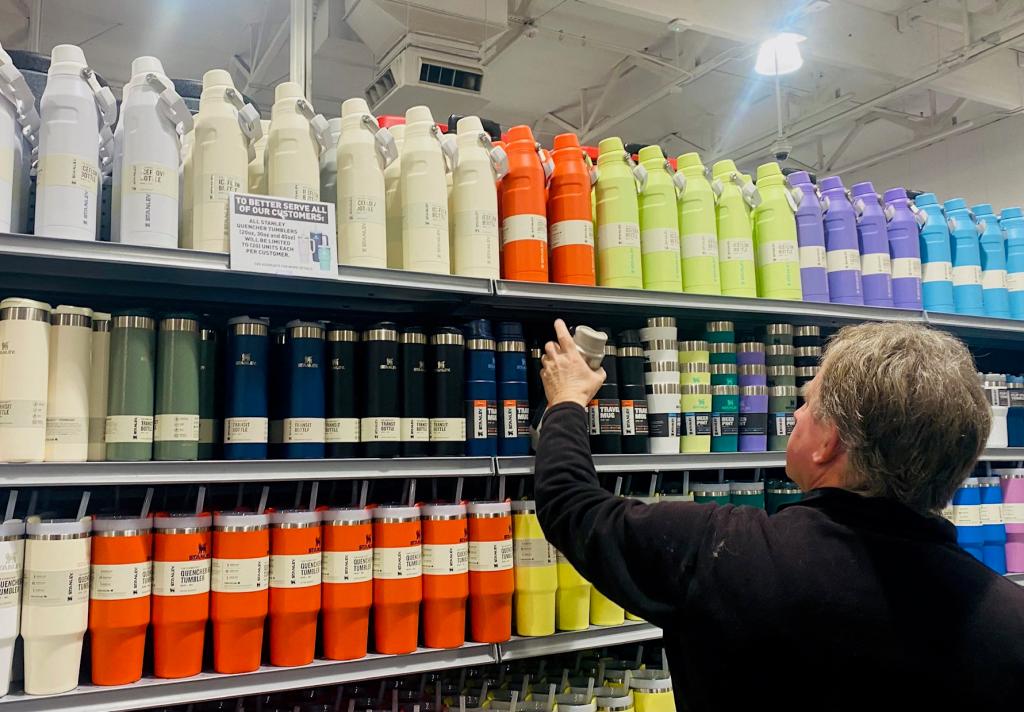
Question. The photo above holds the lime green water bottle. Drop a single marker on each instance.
(618, 218)
(735, 237)
(659, 224)
(698, 241)
(778, 255)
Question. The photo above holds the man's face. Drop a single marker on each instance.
(809, 434)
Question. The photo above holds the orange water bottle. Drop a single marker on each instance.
(491, 577)
(181, 592)
(347, 581)
(445, 574)
(294, 586)
(397, 578)
(119, 597)
(238, 582)
(524, 230)
(570, 224)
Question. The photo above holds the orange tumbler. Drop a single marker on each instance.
(397, 578)
(491, 577)
(524, 230)
(181, 592)
(570, 228)
(294, 586)
(239, 579)
(119, 593)
(445, 575)
(348, 582)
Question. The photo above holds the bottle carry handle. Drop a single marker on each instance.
(171, 105)
(383, 141)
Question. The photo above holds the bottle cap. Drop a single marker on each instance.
(287, 90)
(416, 114)
(217, 78)
(831, 183)
(355, 105)
(894, 194)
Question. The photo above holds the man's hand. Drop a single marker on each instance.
(566, 376)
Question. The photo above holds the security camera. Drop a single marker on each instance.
(781, 149)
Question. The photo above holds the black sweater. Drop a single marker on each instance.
(838, 602)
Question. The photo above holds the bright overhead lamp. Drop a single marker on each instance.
(779, 55)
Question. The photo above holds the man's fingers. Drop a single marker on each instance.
(564, 337)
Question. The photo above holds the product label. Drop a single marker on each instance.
(152, 178)
(445, 559)
(724, 424)
(696, 424)
(515, 419)
(181, 578)
(67, 431)
(379, 430)
(10, 574)
(118, 582)
(875, 263)
(70, 171)
(22, 413)
(129, 429)
(448, 429)
(634, 417)
(491, 555)
(245, 430)
(783, 423)
(736, 249)
(362, 209)
(966, 275)
(967, 515)
(217, 186)
(56, 588)
(753, 424)
(304, 430)
(699, 245)
(240, 575)
(1013, 512)
(993, 279)
(663, 425)
(842, 260)
(777, 252)
(605, 416)
(347, 566)
(208, 431)
(659, 239)
(529, 553)
(937, 272)
(399, 562)
(341, 430)
(483, 414)
(991, 514)
(177, 427)
(524, 227)
(571, 232)
(618, 234)
(1015, 281)
(906, 268)
(295, 570)
(813, 257)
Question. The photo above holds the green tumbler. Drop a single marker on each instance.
(129, 426)
(176, 428)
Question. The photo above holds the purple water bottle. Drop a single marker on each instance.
(841, 244)
(905, 249)
(875, 262)
(810, 236)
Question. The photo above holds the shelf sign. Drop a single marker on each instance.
(279, 236)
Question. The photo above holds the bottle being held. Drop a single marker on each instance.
(297, 137)
(475, 240)
(425, 246)
(570, 226)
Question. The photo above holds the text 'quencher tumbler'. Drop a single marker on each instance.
(536, 570)
(397, 578)
(182, 546)
(239, 600)
(130, 388)
(176, 428)
(570, 227)
(305, 421)
(445, 574)
(55, 602)
(652, 691)
(379, 430)
(341, 430)
(347, 581)
(936, 255)
(245, 389)
(119, 597)
(295, 559)
(491, 577)
(12, 560)
(698, 231)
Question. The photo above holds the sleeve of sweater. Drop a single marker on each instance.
(643, 557)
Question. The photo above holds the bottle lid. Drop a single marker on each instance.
(351, 515)
(16, 527)
(397, 512)
(240, 519)
(510, 331)
(723, 168)
(35, 526)
(182, 520)
(415, 114)
(489, 509)
(284, 517)
(566, 140)
(287, 90)
(469, 125)
(831, 183)
(355, 105)
(443, 510)
(894, 194)
(865, 188)
(954, 204)
(768, 170)
(217, 78)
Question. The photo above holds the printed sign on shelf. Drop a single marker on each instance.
(279, 236)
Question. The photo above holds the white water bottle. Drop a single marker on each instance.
(12, 559)
(393, 200)
(329, 163)
(224, 130)
(475, 203)
(294, 145)
(73, 110)
(258, 165)
(362, 232)
(146, 157)
(424, 196)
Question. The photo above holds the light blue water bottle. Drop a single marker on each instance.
(1012, 223)
(936, 255)
(967, 298)
(993, 263)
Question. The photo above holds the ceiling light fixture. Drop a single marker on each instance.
(779, 55)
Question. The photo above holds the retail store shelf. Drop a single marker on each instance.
(226, 471)
(570, 642)
(659, 463)
(154, 693)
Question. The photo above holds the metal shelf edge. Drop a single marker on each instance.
(571, 641)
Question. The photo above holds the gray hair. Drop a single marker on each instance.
(910, 412)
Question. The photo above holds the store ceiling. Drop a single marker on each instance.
(879, 74)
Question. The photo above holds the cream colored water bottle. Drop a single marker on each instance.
(476, 243)
(424, 196)
(98, 381)
(393, 200)
(362, 230)
(24, 369)
(67, 400)
(258, 165)
(293, 148)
